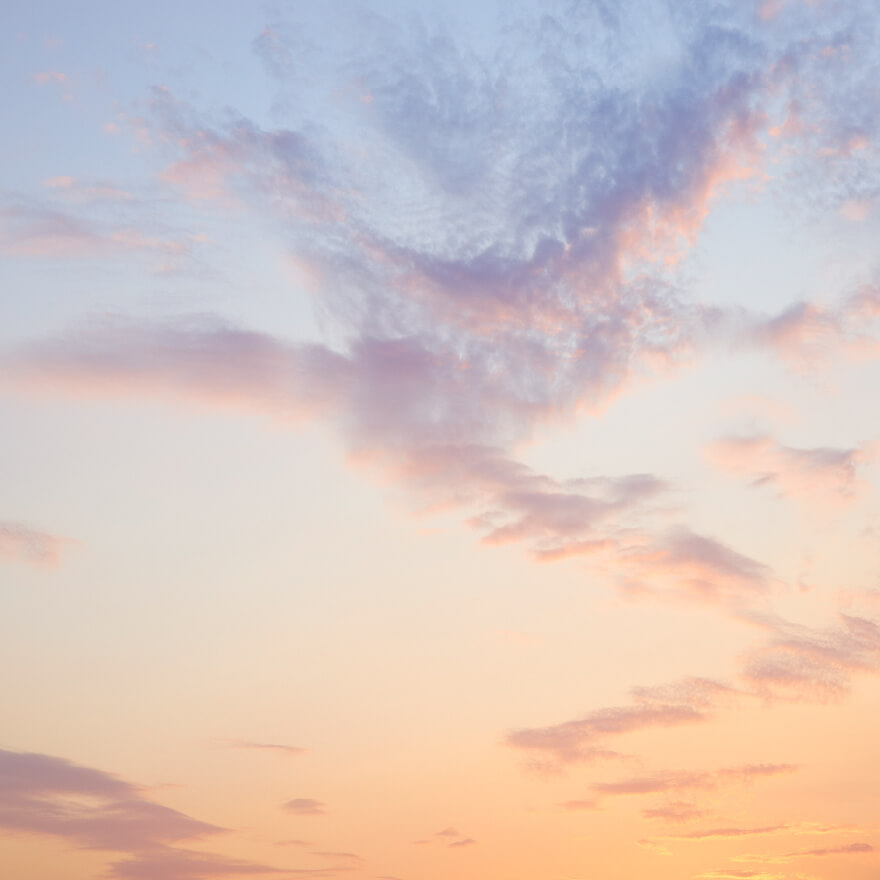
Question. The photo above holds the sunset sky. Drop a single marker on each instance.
(440, 441)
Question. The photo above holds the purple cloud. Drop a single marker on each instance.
(91, 809)
(304, 807)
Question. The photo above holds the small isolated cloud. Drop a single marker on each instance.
(739, 875)
(580, 805)
(674, 781)
(347, 857)
(448, 832)
(449, 836)
(845, 849)
(661, 782)
(19, 543)
(304, 807)
(750, 772)
(675, 811)
(725, 833)
(278, 748)
(46, 77)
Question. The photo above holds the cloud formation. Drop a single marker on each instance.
(791, 664)
(304, 807)
(821, 473)
(690, 701)
(91, 809)
(20, 543)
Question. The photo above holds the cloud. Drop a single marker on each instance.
(792, 663)
(91, 809)
(845, 849)
(674, 811)
(580, 805)
(504, 275)
(404, 409)
(688, 565)
(750, 772)
(20, 543)
(690, 701)
(269, 747)
(821, 473)
(304, 807)
(799, 663)
(338, 856)
(664, 782)
(807, 334)
(728, 832)
(49, 76)
(87, 222)
(178, 864)
(674, 781)
(465, 841)
(740, 875)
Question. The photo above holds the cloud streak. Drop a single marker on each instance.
(20, 543)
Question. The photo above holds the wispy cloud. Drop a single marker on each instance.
(821, 473)
(21, 543)
(676, 781)
(267, 747)
(674, 811)
(792, 663)
(690, 701)
(799, 663)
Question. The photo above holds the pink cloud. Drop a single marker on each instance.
(22, 544)
(797, 663)
(823, 473)
(807, 334)
(53, 231)
(49, 76)
(792, 663)
(692, 566)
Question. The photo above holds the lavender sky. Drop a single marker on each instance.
(440, 442)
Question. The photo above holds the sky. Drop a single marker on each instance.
(440, 441)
